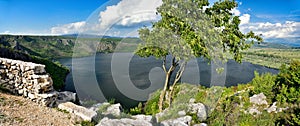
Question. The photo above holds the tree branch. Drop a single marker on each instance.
(179, 72)
(164, 64)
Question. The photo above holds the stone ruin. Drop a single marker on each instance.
(27, 79)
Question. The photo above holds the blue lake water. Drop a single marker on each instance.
(129, 79)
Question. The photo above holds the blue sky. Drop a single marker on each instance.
(272, 18)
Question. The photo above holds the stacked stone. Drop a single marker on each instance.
(27, 79)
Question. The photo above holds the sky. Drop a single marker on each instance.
(271, 18)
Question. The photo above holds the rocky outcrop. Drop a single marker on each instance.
(67, 96)
(199, 109)
(123, 122)
(27, 79)
(259, 99)
(84, 113)
(114, 110)
(182, 121)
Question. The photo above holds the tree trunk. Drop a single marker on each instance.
(163, 93)
(166, 85)
(177, 78)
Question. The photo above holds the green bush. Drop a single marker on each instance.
(287, 82)
(287, 89)
(151, 106)
(136, 110)
(263, 84)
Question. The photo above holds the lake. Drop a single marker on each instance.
(129, 79)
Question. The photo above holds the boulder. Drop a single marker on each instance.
(82, 112)
(146, 118)
(192, 100)
(181, 113)
(272, 108)
(201, 124)
(67, 96)
(259, 99)
(123, 122)
(95, 107)
(115, 110)
(199, 109)
(182, 121)
(254, 110)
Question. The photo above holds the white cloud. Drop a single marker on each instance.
(126, 13)
(245, 19)
(274, 30)
(129, 12)
(69, 28)
(235, 12)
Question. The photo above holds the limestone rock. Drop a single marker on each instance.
(192, 100)
(146, 118)
(182, 113)
(182, 121)
(259, 99)
(199, 109)
(254, 111)
(27, 79)
(67, 96)
(272, 108)
(80, 111)
(115, 110)
(123, 122)
(201, 124)
(95, 107)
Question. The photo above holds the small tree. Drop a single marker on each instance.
(187, 30)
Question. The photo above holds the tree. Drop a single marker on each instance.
(189, 29)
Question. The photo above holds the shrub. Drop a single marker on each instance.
(263, 84)
(287, 83)
(287, 89)
(136, 110)
(151, 106)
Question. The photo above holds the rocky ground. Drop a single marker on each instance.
(18, 111)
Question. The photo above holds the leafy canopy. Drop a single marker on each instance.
(188, 29)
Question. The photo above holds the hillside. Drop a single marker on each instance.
(62, 46)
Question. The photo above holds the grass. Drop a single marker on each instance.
(271, 57)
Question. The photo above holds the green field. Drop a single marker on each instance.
(271, 57)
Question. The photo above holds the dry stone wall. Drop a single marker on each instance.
(27, 79)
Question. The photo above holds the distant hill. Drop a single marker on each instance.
(271, 45)
(62, 46)
(86, 36)
(291, 41)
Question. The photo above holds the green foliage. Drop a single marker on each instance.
(287, 85)
(151, 106)
(136, 110)
(287, 90)
(111, 101)
(291, 116)
(192, 33)
(184, 92)
(87, 123)
(64, 111)
(263, 84)
(103, 108)
(231, 108)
